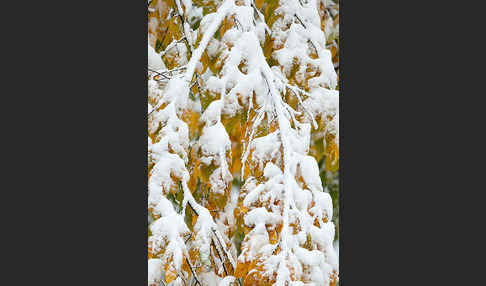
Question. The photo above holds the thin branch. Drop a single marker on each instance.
(189, 237)
(175, 69)
(193, 272)
(193, 209)
(158, 73)
(172, 45)
(220, 258)
(197, 82)
(267, 29)
(238, 24)
(182, 278)
(298, 18)
(165, 33)
(291, 88)
(183, 23)
(224, 249)
(305, 27)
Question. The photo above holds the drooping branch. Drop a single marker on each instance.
(222, 12)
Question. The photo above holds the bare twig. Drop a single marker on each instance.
(305, 27)
(189, 203)
(183, 24)
(226, 252)
(158, 73)
(193, 272)
(174, 70)
(298, 18)
(220, 258)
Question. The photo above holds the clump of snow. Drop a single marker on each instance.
(154, 271)
(271, 170)
(154, 60)
(265, 148)
(227, 281)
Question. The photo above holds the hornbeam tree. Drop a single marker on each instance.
(242, 105)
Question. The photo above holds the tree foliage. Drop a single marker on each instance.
(243, 142)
